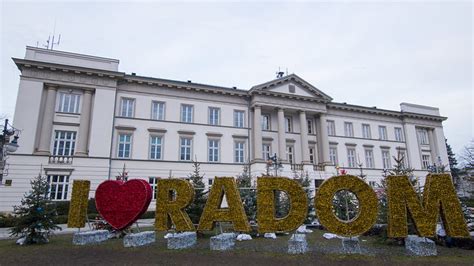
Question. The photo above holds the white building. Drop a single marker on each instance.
(81, 118)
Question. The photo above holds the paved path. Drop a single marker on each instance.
(5, 232)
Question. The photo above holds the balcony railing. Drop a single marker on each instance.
(296, 167)
(60, 159)
(318, 167)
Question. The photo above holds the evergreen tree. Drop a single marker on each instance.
(34, 218)
(400, 168)
(200, 194)
(455, 171)
(248, 193)
(304, 181)
(345, 203)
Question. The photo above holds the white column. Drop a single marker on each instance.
(413, 148)
(304, 138)
(281, 135)
(47, 124)
(257, 133)
(323, 139)
(433, 146)
(83, 137)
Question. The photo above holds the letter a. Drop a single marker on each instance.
(212, 212)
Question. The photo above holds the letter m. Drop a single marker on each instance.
(439, 196)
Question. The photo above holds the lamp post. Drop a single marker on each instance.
(7, 146)
(275, 163)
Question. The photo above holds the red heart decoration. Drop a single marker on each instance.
(122, 203)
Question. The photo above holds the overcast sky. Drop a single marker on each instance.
(369, 54)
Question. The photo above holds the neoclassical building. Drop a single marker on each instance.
(81, 118)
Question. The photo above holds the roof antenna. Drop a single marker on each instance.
(280, 73)
(50, 42)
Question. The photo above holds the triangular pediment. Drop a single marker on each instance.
(292, 85)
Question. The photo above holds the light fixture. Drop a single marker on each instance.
(12, 146)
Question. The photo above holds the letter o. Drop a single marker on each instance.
(367, 214)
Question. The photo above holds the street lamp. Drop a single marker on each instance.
(7, 146)
(275, 163)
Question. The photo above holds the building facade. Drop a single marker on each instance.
(81, 118)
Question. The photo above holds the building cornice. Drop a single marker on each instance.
(377, 111)
(25, 63)
(175, 84)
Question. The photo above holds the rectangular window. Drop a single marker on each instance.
(310, 126)
(288, 124)
(124, 145)
(331, 128)
(425, 161)
(127, 106)
(398, 134)
(290, 153)
(239, 151)
(59, 185)
(386, 159)
(266, 151)
(186, 113)
(214, 116)
(266, 122)
(333, 155)
(366, 134)
(157, 110)
(348, 129)
(423, 136)
(239, 118)
(153, 181)
(311, 155)
(213, 147)
(369, 158)
(155, 147)
(209, 181)
(185, 149)
(69, 102)
(382, 132)
(351, 159)
(64, 143)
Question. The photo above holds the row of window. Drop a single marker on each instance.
(354, 161)
(70, 103)
(127, 107)
(266, 124)
(64, 144)
(124, 148)
(366, 131)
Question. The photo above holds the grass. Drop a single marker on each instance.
(255, 252)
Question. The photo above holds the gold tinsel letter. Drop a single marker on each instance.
(78, 206)
(439, 194)
(266, 204)
(367, 213)
(212, 212)
(173, 195)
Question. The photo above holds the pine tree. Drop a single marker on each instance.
(455, 171)
(304, 181)
(345, 203)
(400, 168)
(248, 193)
(200, 194)
(34, 218)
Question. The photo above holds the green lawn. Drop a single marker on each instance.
(255, 252)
